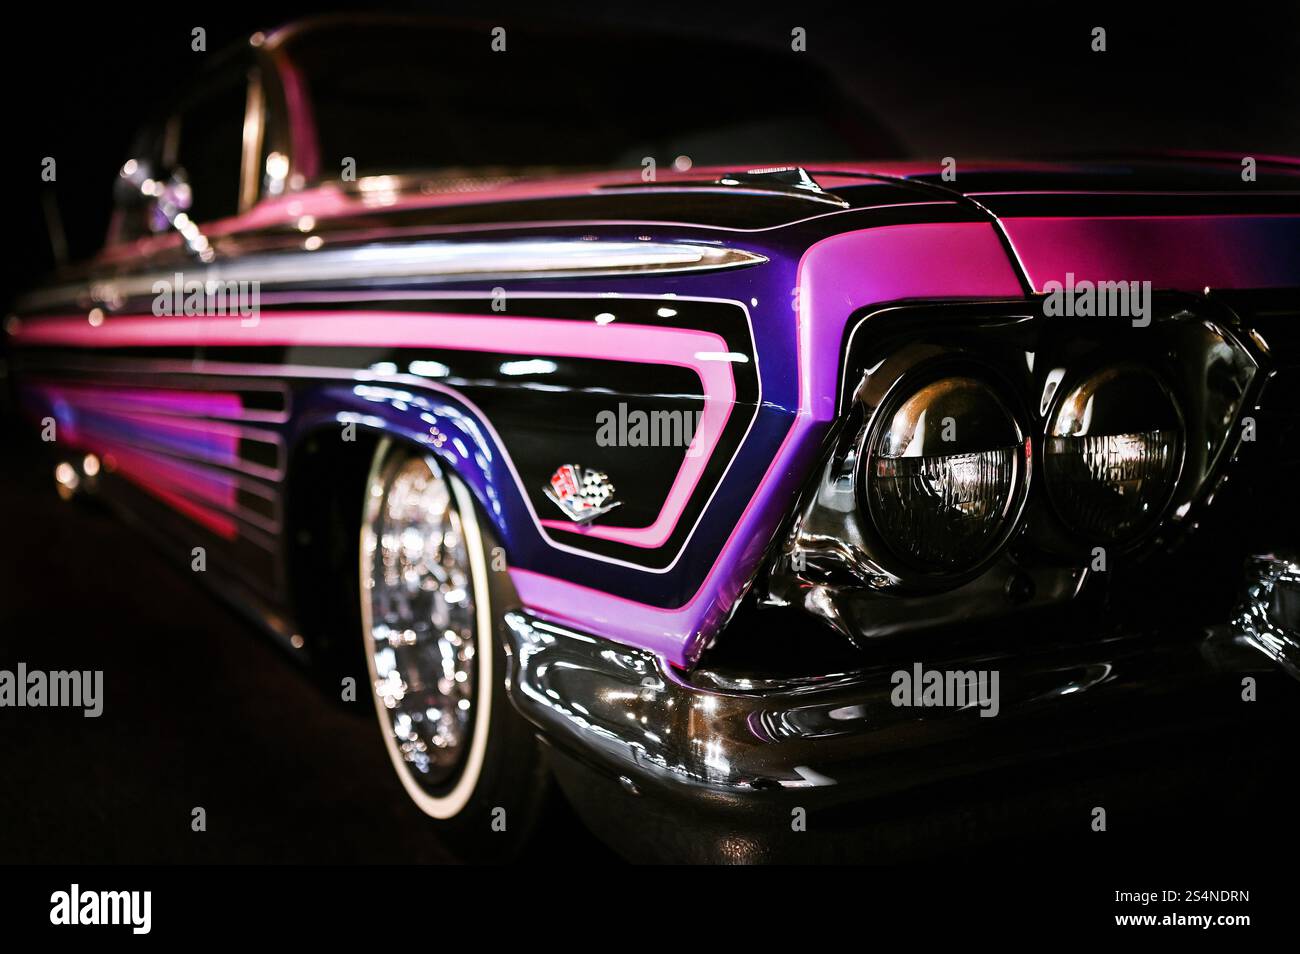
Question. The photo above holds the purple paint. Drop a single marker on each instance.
(836, 277)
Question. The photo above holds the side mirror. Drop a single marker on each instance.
(167, 198)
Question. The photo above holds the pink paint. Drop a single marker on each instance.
(854, 270)
(678, 634)
(836, 277)
(220, 524)
(571, 604)
(221, 439)
(172, 483)
(209, 440)
(208, 487)
(164, 401)
(1185, 252)
(302, 125)
(328, 200)
(906, 168)
(527, 336)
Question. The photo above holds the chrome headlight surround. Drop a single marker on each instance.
(835, 539)
(943, 456)
(833, 562)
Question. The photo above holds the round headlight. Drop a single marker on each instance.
(944, 471)
(1112, 455)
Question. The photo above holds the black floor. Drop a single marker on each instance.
(201, 710)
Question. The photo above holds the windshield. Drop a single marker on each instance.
(415, 97)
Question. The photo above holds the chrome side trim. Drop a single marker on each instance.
(427, 261)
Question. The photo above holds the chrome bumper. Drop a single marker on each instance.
(839, 737)
(1269, 616)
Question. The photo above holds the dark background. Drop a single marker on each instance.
(956, 80)
(208, 713)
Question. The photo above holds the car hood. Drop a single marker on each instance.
(735, 197)
(1187, 222)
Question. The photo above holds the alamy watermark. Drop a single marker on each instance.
(946, 688)
(637, 428)
(179, 297)
(75, 906)
(1087, 299)
(35, 688)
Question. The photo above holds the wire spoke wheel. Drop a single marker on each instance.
(427, 626)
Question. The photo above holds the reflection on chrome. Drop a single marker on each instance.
(1126, 452)
(1269, 617)
(431, 261)
(737, 735)
(422, 617)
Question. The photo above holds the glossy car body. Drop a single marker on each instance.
(669, 650)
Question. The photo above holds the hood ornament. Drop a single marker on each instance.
(582, 493)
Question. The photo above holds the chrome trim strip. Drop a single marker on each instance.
(428, 261)
(479, 228)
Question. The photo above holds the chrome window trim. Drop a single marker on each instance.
(254, 133)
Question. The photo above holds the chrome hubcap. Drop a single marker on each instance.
(421, 641)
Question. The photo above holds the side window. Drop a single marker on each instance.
(209, 149)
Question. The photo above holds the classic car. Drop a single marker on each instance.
(692, 460)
